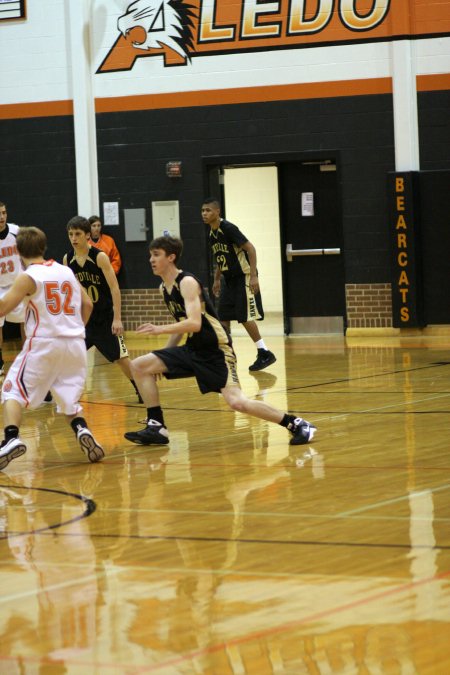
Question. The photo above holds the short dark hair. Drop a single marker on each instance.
(79, 223)
(95, 219)
(169, 245)
(212, 200)
(3, 204)
(31, 242)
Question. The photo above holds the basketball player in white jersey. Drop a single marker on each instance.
(10, 267)
(54, 353)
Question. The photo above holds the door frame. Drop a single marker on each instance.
(219, 162)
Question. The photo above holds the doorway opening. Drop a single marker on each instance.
(250, 201)
(288, 206)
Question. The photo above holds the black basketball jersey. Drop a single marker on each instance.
(93, 280)
(226, 244)
(212, 334)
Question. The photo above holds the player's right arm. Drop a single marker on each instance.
(86, 306)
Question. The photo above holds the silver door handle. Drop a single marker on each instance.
(291, 253)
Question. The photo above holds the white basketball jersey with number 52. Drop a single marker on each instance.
(54, 310)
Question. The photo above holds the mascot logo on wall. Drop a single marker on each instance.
(178, 30)
(153, 27)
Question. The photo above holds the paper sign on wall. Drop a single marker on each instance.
(307, 203)
(111, 213)
(12, 9)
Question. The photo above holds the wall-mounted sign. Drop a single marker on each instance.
(174, 169)
(407, 305)
(111, 213)
(179, 30)
(12, 9)
(307, 204)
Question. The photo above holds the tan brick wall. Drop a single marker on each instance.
(369, 305)
(140, 305)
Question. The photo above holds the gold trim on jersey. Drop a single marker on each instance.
(242, 259)
(219, 330)
(224, 346)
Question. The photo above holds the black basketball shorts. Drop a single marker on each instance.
(238, 303)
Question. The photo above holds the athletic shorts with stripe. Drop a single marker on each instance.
(237, 302)
(99, 335)
(56, 363)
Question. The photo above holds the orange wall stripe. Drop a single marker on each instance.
(283, 92)
(439, 82)
(41, 109)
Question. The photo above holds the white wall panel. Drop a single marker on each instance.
(36, 64)
(433, 56)
(290, 66)
(33, 55)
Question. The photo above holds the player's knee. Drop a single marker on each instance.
(137, 367)
(237, 403)
(143, 365)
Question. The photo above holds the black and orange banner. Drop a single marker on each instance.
(183, 29)
(407, 302)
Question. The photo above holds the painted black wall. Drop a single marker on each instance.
(434, 125)
(37, 176)
(37, 168)
(134, 147)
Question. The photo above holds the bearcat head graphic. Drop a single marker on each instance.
(151, 24)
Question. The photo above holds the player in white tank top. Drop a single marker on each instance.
(54, 353)
(52, 310)
(10, 267)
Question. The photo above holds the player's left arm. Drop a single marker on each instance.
(251, 254)
(190, 290)
(23, 285)
(106, 267)
(115, 258)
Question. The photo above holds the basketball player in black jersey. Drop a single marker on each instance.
(240, 297)
(207, 354)
(93, 270)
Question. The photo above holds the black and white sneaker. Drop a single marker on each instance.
(11, 450)
(302, 431)
(153, 434)
(89, 445)
(264, 359)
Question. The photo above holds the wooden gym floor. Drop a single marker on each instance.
(231, 552)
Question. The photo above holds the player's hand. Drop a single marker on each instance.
(117, 327)
(149, 329)
(254, 285)
(216, 288)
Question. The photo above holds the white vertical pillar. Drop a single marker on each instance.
(406, 126)
(79, 28)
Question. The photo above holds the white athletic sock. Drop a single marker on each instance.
(261, 344)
